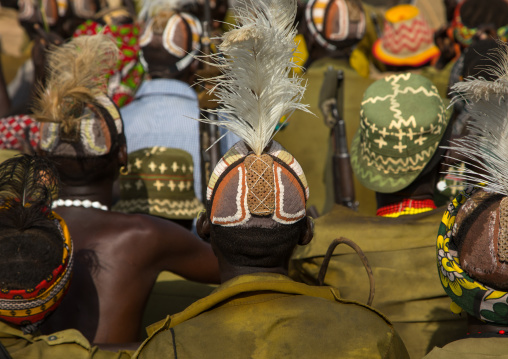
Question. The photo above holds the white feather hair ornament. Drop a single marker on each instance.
(486, 146)
(256, 88)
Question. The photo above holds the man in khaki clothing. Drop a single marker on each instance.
(472, 241)
(395, 153)
(255, 217)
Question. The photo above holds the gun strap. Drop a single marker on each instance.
(363, 257)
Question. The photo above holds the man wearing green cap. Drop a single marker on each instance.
(396, 154)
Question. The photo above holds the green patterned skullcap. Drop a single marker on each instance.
(159, 182)
(402, 121)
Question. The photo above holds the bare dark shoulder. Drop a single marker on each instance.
(150, 228)
(147, 242)
(161, 237)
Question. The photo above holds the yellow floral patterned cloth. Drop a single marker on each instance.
(481, 301)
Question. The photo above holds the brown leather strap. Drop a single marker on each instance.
(363, 257)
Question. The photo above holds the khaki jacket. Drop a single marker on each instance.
(473, 348)
(65, 344)
(270, 316)
(402, 254)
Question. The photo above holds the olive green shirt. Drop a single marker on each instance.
(402, 254)
(472, 348)
(68, 343)
(270, 316)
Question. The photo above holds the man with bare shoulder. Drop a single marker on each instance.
(118, 256)
(36, 266)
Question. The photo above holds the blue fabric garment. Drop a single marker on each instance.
(163, 113)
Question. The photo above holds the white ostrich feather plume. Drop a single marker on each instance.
(486, 145)
(474, 89)
(149, 8)
(256, 88)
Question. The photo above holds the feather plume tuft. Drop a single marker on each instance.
(486, 146)
(76, 74)
(475, 89)
(256, 87)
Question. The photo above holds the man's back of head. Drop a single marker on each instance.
(36, 257)
(81, 129)
(333, 27)
(170, 41)
(256, 215)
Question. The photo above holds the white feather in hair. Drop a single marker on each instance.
(474, 89)
(256, 88)
(486, 145)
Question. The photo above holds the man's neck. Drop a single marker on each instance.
(101, 192)
(228, 271)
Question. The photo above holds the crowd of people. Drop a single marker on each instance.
(253, 178)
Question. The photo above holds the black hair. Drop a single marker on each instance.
(31, 242)
(494, 13)
(256, 246)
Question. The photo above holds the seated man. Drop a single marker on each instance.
(254, 219)
(165, 107)
(395, 153)
(118, 256)
(36, 265)
(472, 239)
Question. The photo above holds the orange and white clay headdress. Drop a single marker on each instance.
(257, 177)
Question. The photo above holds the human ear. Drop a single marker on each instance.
(308, 234)
(122, 155)
(203, 226)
